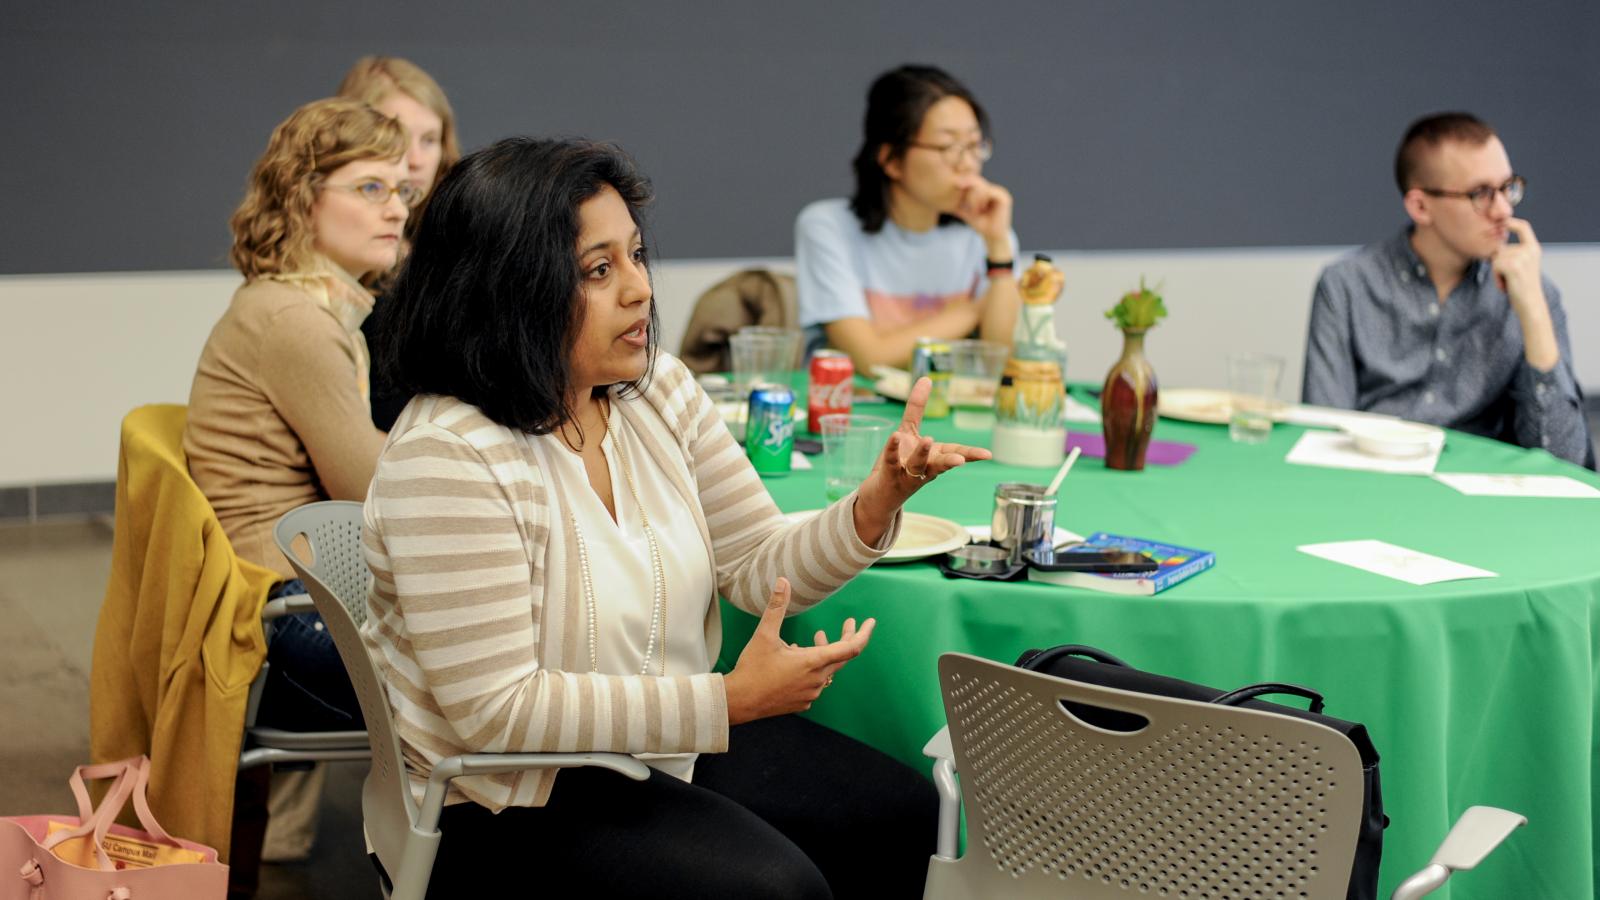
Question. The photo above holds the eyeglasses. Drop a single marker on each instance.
(1483, 197)
(378, 192)
(952, 153)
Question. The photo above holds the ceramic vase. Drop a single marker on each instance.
(1128, 405)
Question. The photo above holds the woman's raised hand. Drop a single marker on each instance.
(772, 678)
(909, 461)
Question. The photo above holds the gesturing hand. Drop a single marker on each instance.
(772, 678)
(909, 461)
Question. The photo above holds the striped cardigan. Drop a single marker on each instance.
(458, 535)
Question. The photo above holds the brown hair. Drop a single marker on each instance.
(373, 78)
(272, 233)
(1427, 133)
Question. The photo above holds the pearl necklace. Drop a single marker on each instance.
(658, 574)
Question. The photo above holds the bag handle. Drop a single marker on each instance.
(133, 777)
(91, 820)
(1037, 659)
(1250, 692)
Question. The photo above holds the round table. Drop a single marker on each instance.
(1475, 692)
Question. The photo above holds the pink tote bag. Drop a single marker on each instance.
(90, 857)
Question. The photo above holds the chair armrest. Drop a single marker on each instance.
(455, 767)
(1479, 830)
(940, 750)
(287, 606)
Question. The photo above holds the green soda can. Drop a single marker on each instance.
(769, 430)
(931, 357)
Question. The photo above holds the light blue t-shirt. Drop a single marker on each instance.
(890, 278)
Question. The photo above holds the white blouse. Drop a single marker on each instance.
(620, 566)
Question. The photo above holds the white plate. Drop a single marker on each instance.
(921, 536)
(1396, 439)
(891, 382)
(1207, 405)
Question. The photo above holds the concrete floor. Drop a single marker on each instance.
(52, 578)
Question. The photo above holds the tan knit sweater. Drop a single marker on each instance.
(278, 413)
(480, 654)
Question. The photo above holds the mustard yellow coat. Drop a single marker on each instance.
(179, 637)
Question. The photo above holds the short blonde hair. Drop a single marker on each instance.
(272, 231)
(373, 78)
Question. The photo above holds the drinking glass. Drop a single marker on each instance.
(851, 444)
(1253, 381)
(975, 370)
(761, 354)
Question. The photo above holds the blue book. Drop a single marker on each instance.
(1177, 564)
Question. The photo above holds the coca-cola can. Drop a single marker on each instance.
(832, 387)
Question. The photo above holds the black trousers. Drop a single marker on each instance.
(793, 809)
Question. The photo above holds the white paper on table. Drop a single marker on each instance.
(798, 461)
(1390, 561)
(1338, 451)
(1328, 416)
(1496, 485)
(1080, 412)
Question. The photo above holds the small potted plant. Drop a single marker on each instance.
(1128, 400)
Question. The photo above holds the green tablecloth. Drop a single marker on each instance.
(1475, 692)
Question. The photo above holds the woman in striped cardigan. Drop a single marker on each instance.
(551, 522)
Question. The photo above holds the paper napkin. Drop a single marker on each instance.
(1395, 562)
(1488, 485)
(1337, 451)
(1159, 453)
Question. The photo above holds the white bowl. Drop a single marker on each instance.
(1397, 439)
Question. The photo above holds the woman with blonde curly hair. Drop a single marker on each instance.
(279, 401)
(278, 412)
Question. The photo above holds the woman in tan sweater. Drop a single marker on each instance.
(278, 413)
(552, 520)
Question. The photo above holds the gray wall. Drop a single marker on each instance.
(129, 130)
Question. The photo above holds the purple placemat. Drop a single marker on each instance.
(1159, 453)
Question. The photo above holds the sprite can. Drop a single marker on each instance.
(769, 429)
(931, 357)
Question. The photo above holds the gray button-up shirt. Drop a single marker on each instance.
(1381, 341)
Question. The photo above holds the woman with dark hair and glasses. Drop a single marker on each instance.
(924, 247)
(552, 520)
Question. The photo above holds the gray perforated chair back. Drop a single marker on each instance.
(337, 578)
(1202, 801)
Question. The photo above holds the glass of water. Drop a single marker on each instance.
(851, 443)
(1253, 380)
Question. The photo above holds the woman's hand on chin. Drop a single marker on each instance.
(910, 460)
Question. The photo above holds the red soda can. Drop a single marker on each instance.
(832, 387)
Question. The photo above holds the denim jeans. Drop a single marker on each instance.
(307, 688)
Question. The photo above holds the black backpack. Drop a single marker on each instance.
(1076, 662)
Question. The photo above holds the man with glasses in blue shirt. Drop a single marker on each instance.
(1450, 321)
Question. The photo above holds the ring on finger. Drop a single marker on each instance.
(922, 477)
(829, 682)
